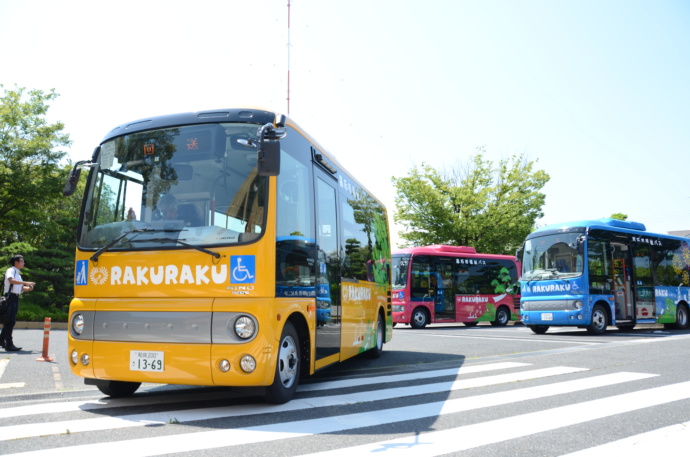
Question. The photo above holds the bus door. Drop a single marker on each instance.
(622, 281)
(644, 285)
(328, 272)
(444, 299)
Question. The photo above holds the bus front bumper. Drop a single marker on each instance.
(568, 311)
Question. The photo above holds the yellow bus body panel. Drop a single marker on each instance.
(193, 364)
(361, 304)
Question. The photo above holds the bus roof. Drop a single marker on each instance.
(603, 223)
(453, 251)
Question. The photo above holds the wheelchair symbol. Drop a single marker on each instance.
(240, 272)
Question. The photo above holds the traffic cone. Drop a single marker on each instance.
(46, 337)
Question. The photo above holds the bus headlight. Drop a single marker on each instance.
(245, 327)
(247, 363)
(577, 304)
(75, 357)
(78, 324)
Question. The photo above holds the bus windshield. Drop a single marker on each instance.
(401, 265)
(552, 257)
(195, 185)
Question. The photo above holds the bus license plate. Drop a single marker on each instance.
(147, 361)
(547, 316)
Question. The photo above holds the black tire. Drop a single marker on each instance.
(377, 350)
(682, 318)
(288, 366)
(502, 317)
(538, 329)
(599, 321)
(420, 318)
(470, 324)
(118, 389)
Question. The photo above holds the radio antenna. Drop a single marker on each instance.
(288, 59)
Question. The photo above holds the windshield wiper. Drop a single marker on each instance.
(541, 272)
(97, 254)
(174, 240)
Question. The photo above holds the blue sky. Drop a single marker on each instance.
(595, 91)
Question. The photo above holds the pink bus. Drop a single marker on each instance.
(445, 284)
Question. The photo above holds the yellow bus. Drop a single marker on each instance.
(223, 248)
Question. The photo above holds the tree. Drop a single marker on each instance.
(31, 178)
(490, 209)
(619, 216)
(35, 219)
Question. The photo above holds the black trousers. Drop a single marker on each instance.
(10, 319)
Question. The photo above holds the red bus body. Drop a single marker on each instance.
(446, 284)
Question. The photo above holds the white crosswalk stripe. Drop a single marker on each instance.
(87, 421)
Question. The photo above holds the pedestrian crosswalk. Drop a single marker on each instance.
(330, 412)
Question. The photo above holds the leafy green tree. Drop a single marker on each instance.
(491, 208)
(31, 177)
(620, 216)
(35, 219)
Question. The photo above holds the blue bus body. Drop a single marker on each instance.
(596, 273)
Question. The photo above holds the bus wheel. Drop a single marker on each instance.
(419, 318)
(682, 321)
(288, 367)
(538, 329)
(118, 389)
(502, 317)
(377, 351)
(598, 325)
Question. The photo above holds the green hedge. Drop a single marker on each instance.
(29, 312)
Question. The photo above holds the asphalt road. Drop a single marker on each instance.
(443, 390)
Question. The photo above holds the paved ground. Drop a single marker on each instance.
(26, 373)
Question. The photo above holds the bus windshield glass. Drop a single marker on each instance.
(196, 185)
(552, 257)
(401, 265)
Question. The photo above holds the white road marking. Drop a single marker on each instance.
(264, 433)
(139, 420)
(668, 441)
(454, 440)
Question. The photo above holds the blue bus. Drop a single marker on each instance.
(595, 273)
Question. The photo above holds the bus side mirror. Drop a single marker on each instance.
(72, 181)
(269, 158)
(581, 244)
(269, 146)
(73, 178)
(518, 254)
